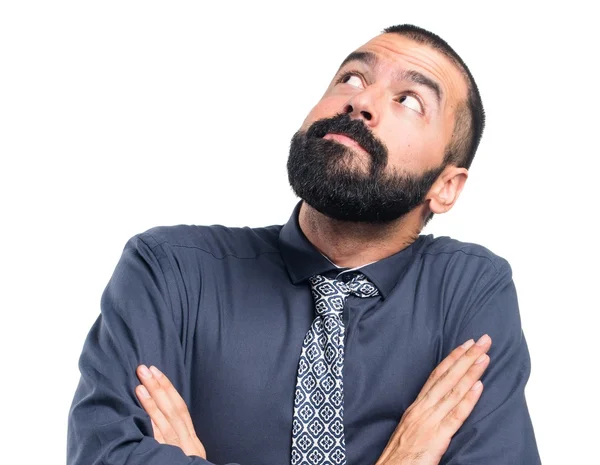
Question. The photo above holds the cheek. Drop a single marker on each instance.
(413, 149)
(326, 108)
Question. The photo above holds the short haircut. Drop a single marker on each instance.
(469, 116)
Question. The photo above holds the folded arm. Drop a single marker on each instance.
(499, 430)
(107, 424)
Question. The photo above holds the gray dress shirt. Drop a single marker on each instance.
(223, 312)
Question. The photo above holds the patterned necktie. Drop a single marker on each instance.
(318, 426)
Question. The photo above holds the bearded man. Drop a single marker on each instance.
(344, 336)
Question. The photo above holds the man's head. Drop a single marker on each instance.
(395, 131)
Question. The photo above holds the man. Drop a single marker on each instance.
(340, 336)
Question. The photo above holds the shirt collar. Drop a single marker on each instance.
(303, 260)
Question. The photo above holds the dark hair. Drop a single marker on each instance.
(470, 117)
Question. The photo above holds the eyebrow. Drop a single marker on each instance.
(368, 58)
(406, 75)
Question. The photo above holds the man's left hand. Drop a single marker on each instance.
(171, 421)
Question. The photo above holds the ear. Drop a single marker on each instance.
(446, 189)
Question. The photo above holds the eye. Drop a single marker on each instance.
(350, 78)
(411, 102)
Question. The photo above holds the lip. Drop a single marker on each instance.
(344, 140)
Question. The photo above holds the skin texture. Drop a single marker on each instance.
(416, 130)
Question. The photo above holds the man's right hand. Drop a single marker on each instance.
(446, 400)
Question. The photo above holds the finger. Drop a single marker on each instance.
(457, 393)
(157, 434)
(178, 403)
(190, 444)
(157, 418)
(175, 431)
(452, 376)
(444, 366)
(458, 415)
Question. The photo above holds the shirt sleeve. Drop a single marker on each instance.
(107, 424)
(499, 430)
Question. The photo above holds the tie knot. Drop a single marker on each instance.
(360, 285)
(330, 294)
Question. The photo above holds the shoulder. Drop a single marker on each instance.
(216, 240)
(477, 292)
(448, 252)
(463, 270)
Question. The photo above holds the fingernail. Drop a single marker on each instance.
(145, 372)
(477, 386)
(143, 392)
(483, 340)
(157, 373)
(468, 344)
(481, 358)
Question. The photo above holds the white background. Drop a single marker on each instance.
(117, 116)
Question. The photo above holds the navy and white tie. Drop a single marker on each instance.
(318, 425)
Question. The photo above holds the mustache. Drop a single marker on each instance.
(353, 128)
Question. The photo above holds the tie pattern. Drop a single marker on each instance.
(318, 424)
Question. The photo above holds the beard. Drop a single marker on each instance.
(320, 173)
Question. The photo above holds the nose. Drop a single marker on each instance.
(363, 105)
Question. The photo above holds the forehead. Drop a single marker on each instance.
(398, 53)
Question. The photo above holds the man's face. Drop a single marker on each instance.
(374, 144)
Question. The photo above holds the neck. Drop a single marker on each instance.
(352, 244)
